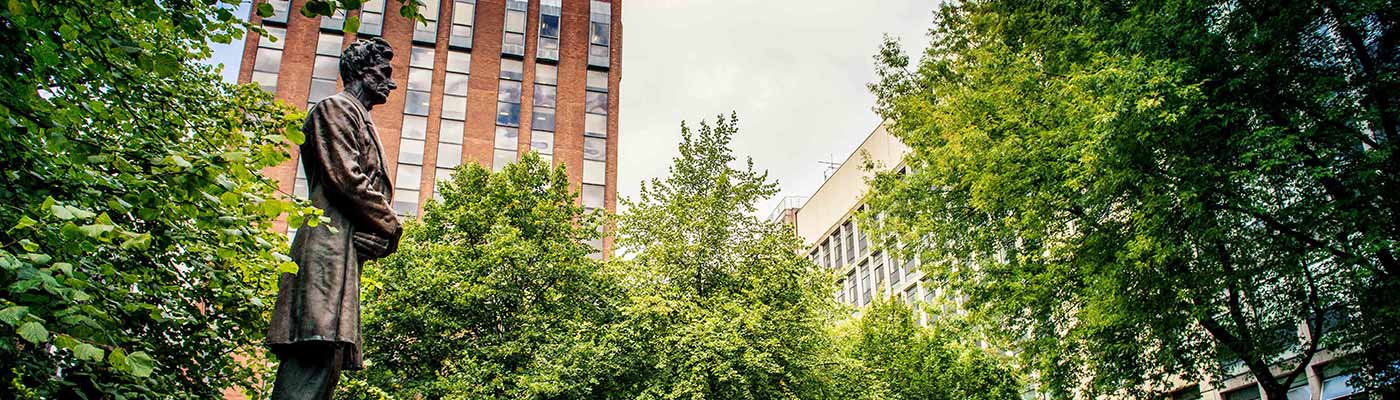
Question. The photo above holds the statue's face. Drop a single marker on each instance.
(378, 82)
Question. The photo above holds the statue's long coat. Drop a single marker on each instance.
(345, 177)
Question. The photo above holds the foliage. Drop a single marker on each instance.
(932, 363)
(492, 294)
(136, 243)
(722, 306)
(1134, 192)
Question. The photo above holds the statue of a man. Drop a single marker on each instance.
(315, 329)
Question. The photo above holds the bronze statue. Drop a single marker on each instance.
(315, 329)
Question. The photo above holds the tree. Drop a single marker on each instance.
(1133, 192)
(931, 363)
(492, 293)
(136, 242)
(722, 306)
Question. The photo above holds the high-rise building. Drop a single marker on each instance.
(483, 81)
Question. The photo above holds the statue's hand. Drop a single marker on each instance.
(370, 246)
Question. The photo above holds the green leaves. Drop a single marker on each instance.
(33, 332)
(265, 9)
(11, 315)
(140, 364)
(352, 24)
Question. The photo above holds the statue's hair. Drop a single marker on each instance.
(362, 54)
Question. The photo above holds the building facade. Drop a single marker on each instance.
(833, 239)
(484, 81)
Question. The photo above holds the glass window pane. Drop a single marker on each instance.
(416, 103)
(512, 69)
(408, 177)
(265, 80)
(595, 148)
(597, 80)
(372, 6)
(502, 157)
(425, 33)
(422, 57)
(328, 44)
(599, 33)
(449, 155)
(542, 142)
(455, 84)
(459, 62)
(508, 114)
(594, 172)
(548, 48)
(543, 119)
(547, 74)
(406, 202)
(593, 196)
(509, 92)
(320, 89)
(266, 41)
(515, 21)
(598, 55)
(268, 60)
(514, 44)
(420, 79)
(596, 103)
(326, 67)
(544, 96)
(279, 11)
(594, 123)
(454, 107)
(463, 13)
(507, 138)
(414, 127)
(461, 36)
(450, 131)
(411, 151)
(441, 176)
(549, 25)
(371, 23)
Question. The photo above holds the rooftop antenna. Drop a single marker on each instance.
(830, 166)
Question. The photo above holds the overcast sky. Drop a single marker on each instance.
(795, 71)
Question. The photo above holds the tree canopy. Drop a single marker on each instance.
(1132, 192)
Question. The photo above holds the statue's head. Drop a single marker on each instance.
(366, 63)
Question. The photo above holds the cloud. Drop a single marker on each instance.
(795, 71)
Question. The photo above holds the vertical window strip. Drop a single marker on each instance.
(513, 39)
(325, 69)
(413, 137)
(427, 33)
(548, 46)
(463, 18)
(372, 18)
(599, 33)
(269, 58)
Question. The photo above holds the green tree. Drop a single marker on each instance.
(931, 363)
(722, 306)
(492, 294)
(136, 242)
(1136, 191)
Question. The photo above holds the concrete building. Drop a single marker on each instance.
(484, 81)
(834, 240)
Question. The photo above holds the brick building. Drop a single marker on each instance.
(483, 81)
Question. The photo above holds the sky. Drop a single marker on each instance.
(795, 72)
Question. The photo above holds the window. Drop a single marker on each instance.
(545, 95)
(269, 58)
(864, 284)
(463, 12)
(325, 68)
(595, 149)
(299, 186)
(1248, 393)
(372, 17)
(599, 33)
(546, 74)
(279, 11)
(449, 144)
(595, 125)
(512, 69)
(836, 248)
(851, 287)
(849, 234)
(548, 46)
(542, 142)
(825, 253)
(596, 103)
(1190, 393)
(597, 80)
(454, 112)
(879, 271)
(507, 141)
(334, 22)
(420, 80)
(895, 274)
(514, 35)
(406, 189)
(543, 119)
(544, 100)
(594, 172)
(427, 33)
(1336, 384)
(593, 196)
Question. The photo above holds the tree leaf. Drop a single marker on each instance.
(352, 24)
(287, 267)
(88, 352)
(141, 364)
(265, 9)
(24, 222)
(296, 136)
(12, 314)
(33, 332)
